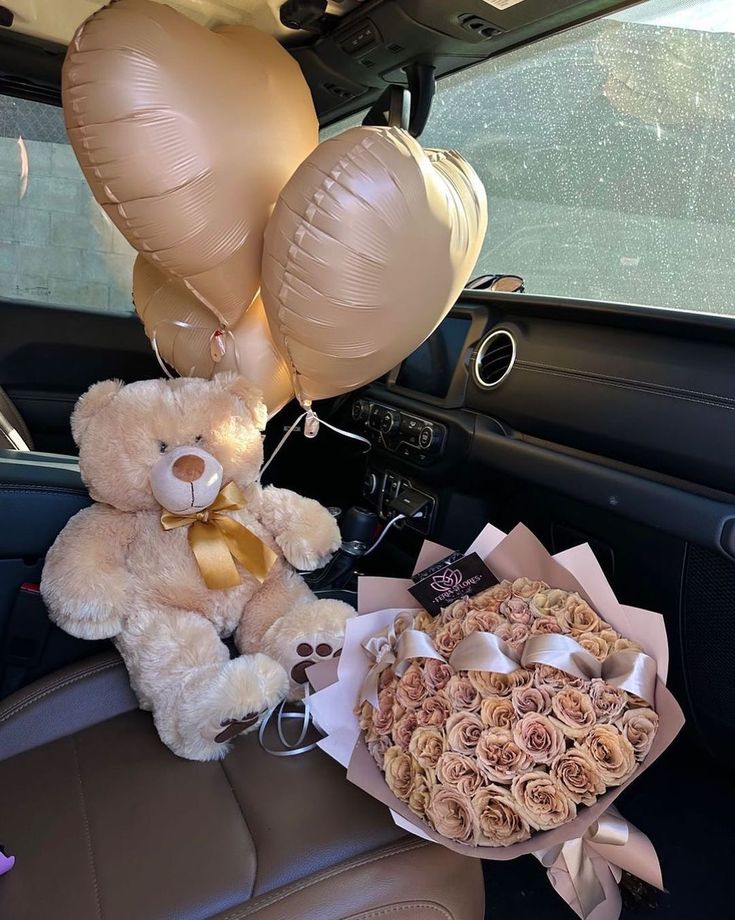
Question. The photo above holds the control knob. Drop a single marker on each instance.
(390, 421)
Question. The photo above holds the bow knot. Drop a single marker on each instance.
(217, 540)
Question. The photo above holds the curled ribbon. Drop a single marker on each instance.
(217, 541)
(395, 648)
(585, 871)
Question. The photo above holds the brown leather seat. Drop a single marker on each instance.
(106, 823)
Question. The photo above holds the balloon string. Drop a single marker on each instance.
(314, 422)
(290, 748)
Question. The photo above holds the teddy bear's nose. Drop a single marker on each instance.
(188, 468)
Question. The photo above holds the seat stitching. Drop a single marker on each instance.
(58, 685)
(244, 821)
(88, 835)
(406, 905)
(324, 876)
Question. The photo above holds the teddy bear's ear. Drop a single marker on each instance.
(97, 397)
(249, 396)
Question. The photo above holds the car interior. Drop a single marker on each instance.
(581, 384)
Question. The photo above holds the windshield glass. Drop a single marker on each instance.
(607, 153)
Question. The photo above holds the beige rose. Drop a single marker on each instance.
(386, 679)
(418, 800)
(434, 711)
(492, 683)
(404, 728)
(411, 688)
(622, 645)
(531, 699)
(554, 680)
(437, 674)
(448, 636)
(515, 634)
(609, 634)
(539, 737)
(594, 644)
(378, 747)
(607, 701)
(459, 771)
(499, 757)
(457, 610)
(528, 588)
(492, 598)
(424, 621)
(543, 626)
(365, 721)
(574, 710)
(498, 712)
(576, 772)
(427, 746)
(576, 617)
(548, 601)
(517, 610)
(611, 753)
(542, 801)
(499, 821)
(462, 694)
(383, 715)
(482, 621)
(451, 814)
(463, 731)
(639, 727)
(399, 772)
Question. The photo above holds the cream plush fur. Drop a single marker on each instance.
(114, 572)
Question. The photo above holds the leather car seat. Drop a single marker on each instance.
(14, 433)
(105, 822)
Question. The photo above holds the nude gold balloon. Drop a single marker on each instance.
(367, 250)
(189, 338)
(186, 136)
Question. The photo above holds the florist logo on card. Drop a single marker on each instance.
(454, 577)
(450, 583)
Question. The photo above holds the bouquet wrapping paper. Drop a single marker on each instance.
(585, 856)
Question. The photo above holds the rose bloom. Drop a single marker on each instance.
(531, 699)
(576, 772)
(539, 737)
(463, 732)
(609, 635)
(378, 748)
(514, 634)
(492, 598)
(577, 617)
(435, 710)
(427, 746)
(411, 688)
(543, 626)
(492, 683)
(459, 771)
(542, 801)
(607, 701)
(575, 712)
(436, 674)
(418, 799)
(611, 753)
(498, 712)
(639, 727)
(451, 814)
(594, 644)
(399, 772)
(517, 611)
(424, 621)
(527, 588)
(462, 694)
(548, 601)
(365, 721)
(622, 645)
(498, 819)
(404, 728)
(386, 679)
(457, 610)
(554, 680)
(482, 621)
(448, 636)
(499, 757)
(383, 715)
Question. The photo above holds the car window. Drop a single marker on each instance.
(607, 155)
(57, 246)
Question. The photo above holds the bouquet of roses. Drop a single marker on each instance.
(509, 721)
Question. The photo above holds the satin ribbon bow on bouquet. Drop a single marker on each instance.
(586, 871)
(217, 540)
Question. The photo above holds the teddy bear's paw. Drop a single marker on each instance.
(307, 554)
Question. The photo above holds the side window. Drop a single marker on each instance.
(57, 246)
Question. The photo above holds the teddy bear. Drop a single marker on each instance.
(183, 548)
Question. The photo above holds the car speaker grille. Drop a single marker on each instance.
(494, 359)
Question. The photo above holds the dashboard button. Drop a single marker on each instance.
(426, 437)
(390, 420)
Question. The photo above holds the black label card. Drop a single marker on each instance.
(442, 563)
(451, 579)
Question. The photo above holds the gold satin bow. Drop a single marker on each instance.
(217, 541)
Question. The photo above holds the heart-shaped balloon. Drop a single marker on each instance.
(186, 136)
(368, 248)
(189, 338)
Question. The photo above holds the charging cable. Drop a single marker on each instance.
(384, 531)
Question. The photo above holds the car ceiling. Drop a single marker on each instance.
(365, 48)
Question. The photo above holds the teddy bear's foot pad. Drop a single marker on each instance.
(322, 651)
(231, 728)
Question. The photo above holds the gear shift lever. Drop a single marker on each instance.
(358, 527)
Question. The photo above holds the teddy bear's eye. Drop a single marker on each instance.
(162, 446)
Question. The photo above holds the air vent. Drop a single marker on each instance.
(395, 48)
(481, 28)
(337, 90)
(494, 359)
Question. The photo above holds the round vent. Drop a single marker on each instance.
(494, 359)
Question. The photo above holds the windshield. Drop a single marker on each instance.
(607, 153)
